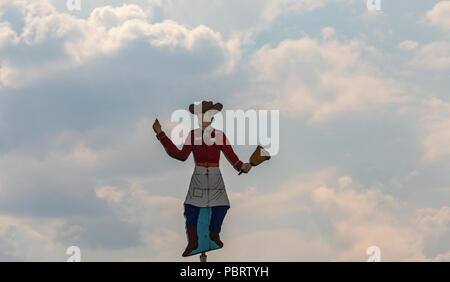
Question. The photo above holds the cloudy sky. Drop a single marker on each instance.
(364, 127)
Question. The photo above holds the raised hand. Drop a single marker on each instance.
(157, 126)
(246, 167)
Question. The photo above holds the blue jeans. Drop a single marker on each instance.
(218, 214)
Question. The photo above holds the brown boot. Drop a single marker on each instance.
(216, 238)
(191, 232)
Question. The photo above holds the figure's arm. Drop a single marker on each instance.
(170, 148)
(232, 157)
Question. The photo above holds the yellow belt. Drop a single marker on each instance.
(207, 164)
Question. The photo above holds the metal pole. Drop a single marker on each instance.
(203, 257)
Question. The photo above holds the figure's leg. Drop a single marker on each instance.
(191, 214)
(217, 217)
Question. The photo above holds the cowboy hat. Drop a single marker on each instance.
(205, 106)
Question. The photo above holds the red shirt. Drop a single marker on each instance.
(206, 149)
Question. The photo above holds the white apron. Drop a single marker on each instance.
(207, 188)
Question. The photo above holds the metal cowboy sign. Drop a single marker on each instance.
(206, 202)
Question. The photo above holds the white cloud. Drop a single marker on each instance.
(233, 17)
(432, 56)
(109, 193)
(106, 31)
(84, 154)
(102, 37)
(328, 32)
(324, 79)
(439, 15)
(108, 16)
(435, 122)
(287, 200)
(71, 165)
(408, 45)
(72, 176)
(358, 218)
(344, 181)
(7, 35)
(25, 239)
(286, 244)
(431, 220)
